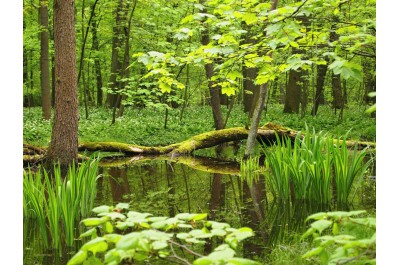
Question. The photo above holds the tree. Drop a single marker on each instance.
(214, 91)
(63, 146)
(44, 60)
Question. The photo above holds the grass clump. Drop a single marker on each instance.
(58, 203)
(314, 167)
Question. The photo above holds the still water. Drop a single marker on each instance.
(166, 187)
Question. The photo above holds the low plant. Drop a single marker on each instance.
(58, 203)
(314, 167)
(119, 235)
(342, 238)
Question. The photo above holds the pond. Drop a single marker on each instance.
(166, 187)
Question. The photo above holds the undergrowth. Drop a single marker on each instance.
(146, 126)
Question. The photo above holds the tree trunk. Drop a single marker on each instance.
(251, 139)
(63, 146)
(97, 67)
(214, 92)
(338, 102)
(44, 60)
(319, 93)
(116, 63)
(293, 92)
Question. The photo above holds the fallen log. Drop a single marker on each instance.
(267, 134)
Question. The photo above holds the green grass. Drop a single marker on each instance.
(146, 127)
(58, 203)
(315, 168)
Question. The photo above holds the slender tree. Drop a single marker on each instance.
(44, 60)
(214, 91)
(251, 139)
(97, 66)
(63, 146)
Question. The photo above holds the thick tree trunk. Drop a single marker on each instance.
(64, 138)
(250, 90)
(293, 92)
(44, 60)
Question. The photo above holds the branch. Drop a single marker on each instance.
(185, 248)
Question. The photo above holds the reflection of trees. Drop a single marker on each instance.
(119, 183)
(201, 163)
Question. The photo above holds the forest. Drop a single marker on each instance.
(199, 132)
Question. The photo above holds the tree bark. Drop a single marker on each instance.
(293, 92)
(64, 138)
(251, 139)
(116, 58)
(319, 92)
(97, 67)
(44, 60)
(214, 92)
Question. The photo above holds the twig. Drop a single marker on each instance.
(185, 248)
(177, 257)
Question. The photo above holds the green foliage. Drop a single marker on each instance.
(132, 236)
(145, 127)
(301, 169)
(57, 203)
(342, 238)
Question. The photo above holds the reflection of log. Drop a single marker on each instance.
(207, 164)
(267, 134)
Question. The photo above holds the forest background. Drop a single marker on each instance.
(11, 109)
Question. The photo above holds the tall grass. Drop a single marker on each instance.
(349, 167)
(58, 203)
(314, 167)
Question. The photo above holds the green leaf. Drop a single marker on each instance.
(249, 18)
(122, 206)
(129, 241)
(165, 88)
(321, 225)
(185, 216)
(94, 221)
(114, 215)
(112, 238)
(203, 261)
(89, 232)
(98, 244)
(313, 252)
(157, 245)
(78, 258)
(101, 209)
(108, 227)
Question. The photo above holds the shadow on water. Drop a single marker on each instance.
(164, 186)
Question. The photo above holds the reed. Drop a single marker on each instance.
(306, 167)
(58, 203)
(250, 169)
(34, 201)
(349, 168)
(278, 181)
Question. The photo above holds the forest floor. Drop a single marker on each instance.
(146, 127)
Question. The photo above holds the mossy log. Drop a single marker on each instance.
(267, 134)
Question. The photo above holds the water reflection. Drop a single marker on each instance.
(165, 186)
